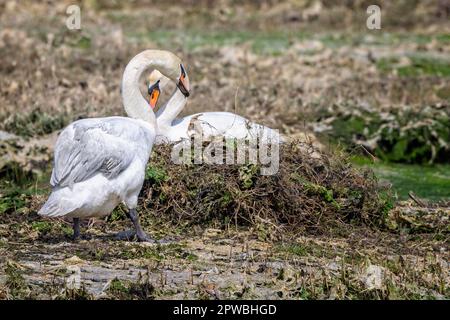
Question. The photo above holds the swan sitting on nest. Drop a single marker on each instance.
(212, 124)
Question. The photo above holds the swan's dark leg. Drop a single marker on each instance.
(127, 235)
(141, 235)
(76, 228)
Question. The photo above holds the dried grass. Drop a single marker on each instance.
(313, 191)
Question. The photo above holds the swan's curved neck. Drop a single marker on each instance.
(171, 109)
(134, 103)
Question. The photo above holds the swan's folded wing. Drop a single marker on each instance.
(86, 149)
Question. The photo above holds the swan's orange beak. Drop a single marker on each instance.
(154, 92)
(183, 82)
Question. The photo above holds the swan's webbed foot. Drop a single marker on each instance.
(143, 237)
(127, 235)
(130, 235)
(138, 232)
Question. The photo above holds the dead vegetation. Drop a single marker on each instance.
(232, 238)
(319, 229)
(420, 217)
(216, 264)
(313, 192)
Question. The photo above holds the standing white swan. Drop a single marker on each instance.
(212, 124)
(100, 162)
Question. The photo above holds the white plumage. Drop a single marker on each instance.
(212, 124)
(98, 163)
(101, 162)
(215, 124)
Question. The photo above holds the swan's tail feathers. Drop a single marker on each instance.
(57, 206)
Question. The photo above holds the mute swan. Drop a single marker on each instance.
(226, 124)
(100, 162)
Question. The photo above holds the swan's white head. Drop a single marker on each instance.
(157, 81)
(170, 65)
(156, 76)
(167, 63)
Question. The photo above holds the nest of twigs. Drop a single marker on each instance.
(313, 191)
